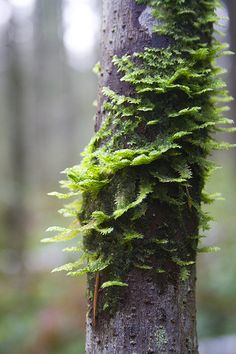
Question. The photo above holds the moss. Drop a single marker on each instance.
(151, 153)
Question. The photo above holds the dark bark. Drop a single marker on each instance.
(157, 313)
(156, 316)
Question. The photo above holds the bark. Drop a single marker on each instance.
(122, 34)
(157, 313)
(156, 316)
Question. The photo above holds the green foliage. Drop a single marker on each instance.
(184, 274)
(107, 284)
(151, 150)
(208, 249)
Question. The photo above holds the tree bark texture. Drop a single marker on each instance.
(157, 313)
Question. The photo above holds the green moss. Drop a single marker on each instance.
(151, 152)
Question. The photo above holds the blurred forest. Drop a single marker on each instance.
(47, 52)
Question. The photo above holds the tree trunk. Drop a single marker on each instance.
(157, 313)
(157, 316)
(17, 213)
(53, 97)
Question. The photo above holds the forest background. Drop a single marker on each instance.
(47, 52)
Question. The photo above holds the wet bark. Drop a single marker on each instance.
(157, 313)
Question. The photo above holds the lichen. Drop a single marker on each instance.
(161, 339)
(151, 152)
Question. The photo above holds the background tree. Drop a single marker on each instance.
(58, 106)
(16, 216)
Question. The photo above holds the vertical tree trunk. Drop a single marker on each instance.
(17, 213)
(143, 173)
(53, 101)
(157, 313)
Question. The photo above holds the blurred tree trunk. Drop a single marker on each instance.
(54, 113)
(16, 215)
(158, 313)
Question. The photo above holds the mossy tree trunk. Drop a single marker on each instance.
(142, 176)
(156, 313)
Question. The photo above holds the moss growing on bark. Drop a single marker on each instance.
(150, 154)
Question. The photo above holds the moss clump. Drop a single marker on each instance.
(151, 152)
